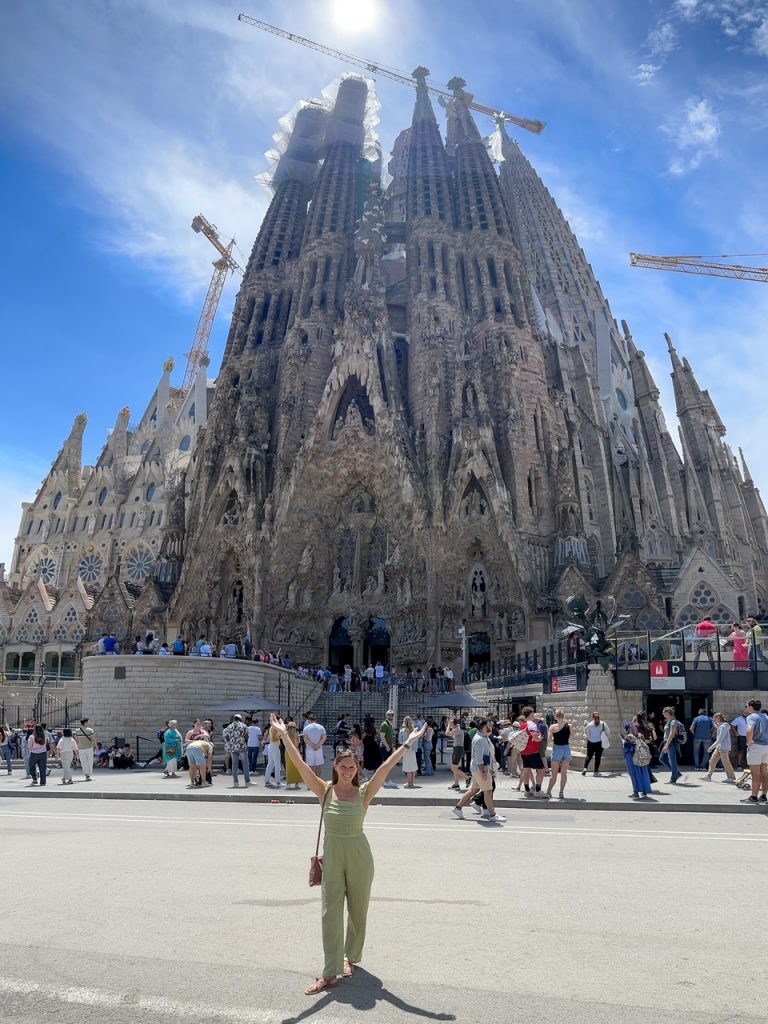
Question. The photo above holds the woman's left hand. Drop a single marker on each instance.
(416, 734)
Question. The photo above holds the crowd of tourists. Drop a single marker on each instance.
(534, 748)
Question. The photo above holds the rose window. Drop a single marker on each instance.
(71, 615)
(32, 616)
(47, 570)
(139, 564)
(704, 596)
(90, 568)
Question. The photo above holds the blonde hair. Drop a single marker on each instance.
(408, 723)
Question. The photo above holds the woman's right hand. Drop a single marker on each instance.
(277, 723)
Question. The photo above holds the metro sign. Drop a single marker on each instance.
(667, 675)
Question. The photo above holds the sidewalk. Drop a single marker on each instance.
(610, 791)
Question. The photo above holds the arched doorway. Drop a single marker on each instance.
(478, 649)
(340, 649)
(377, 643)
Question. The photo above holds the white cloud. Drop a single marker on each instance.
(695, 132)
(760, 38)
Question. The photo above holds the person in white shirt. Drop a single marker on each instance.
(721, 749)
(595, 731)
(314, 741)
(740, 725)
(65, 749)
(254, 742)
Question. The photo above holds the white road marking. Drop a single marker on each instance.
(80, 996)
(509, 829)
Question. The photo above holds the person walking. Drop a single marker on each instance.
(483, 765)
(236, 737)
(594, 732)
(757, 752)
(560, 737)
(173, 745)
(6, 747)
(456, 733)
(65, 750)
(387, 733)
(701, 730)
(674, 734)
(347, 858)
(38, 755)
(86, 741)
(721, 749)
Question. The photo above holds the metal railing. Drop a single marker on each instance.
(56, 713)
(717, 662)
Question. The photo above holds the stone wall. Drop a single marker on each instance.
(133, 696)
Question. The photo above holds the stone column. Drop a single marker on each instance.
(602, 697)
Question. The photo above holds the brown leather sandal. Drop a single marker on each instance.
(320, 985)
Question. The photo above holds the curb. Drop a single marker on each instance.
(647, 806)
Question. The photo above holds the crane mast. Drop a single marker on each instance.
(225, 264)
(697, 265)
(397, 76)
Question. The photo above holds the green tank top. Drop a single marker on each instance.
(344, 818)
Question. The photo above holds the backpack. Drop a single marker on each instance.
(178, 646)
(680, 736)
(641, 755)
(520, 740)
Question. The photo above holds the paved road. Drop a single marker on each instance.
(146, 913)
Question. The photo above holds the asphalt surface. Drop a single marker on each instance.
(146, 913)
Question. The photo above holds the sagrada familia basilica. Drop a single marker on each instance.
(426, 416)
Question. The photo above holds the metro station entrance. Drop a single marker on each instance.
(687, 706)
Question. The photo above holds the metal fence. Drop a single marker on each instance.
(54, 712)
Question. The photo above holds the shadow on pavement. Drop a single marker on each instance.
(362, 992)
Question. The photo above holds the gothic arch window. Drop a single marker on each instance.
(704, 596)
(139, 564)
(722, 616)
(360, 502)
(632, 598)
(710, 546)
(649, 619)
(347, 547)
(590, 502)
(103, 495)
(60, 633)
(32, 617)
(469, 401)
(70, 615)
(688, 616)
(377, 548)
(57, 500)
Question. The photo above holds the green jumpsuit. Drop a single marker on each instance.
(347, 871)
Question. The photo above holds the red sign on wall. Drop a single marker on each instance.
(659, 668)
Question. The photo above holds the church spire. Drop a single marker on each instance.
(423, 109)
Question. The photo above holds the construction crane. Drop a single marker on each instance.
(699, 265)
(225, 264)
(397, 76)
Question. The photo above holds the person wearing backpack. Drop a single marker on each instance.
(757, 752)
(674, 738)
(179, 647)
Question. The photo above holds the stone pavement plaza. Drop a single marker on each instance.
(135, 912)
(608, 792)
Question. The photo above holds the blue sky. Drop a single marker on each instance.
(122, 119)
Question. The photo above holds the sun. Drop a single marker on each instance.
(354, 15)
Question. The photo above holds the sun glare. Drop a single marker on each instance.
(354, 15)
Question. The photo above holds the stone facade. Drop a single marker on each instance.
(95, 549)
(134, 696)
(426, 416)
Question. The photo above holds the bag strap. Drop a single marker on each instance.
(322, 812)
